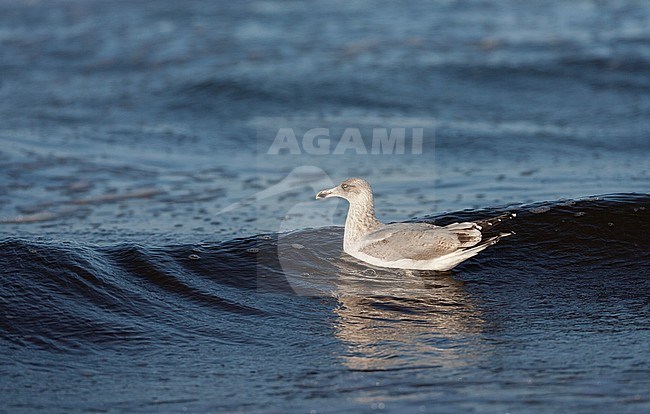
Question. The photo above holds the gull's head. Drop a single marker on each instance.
(353, 189)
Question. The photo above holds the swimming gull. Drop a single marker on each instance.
(420, 246)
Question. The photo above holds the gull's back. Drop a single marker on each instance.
(417, 241)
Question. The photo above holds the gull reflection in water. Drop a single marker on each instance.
(395, 319)
(387, 318)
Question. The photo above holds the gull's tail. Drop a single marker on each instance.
(451, 260)
(470, 234)
(488, 224)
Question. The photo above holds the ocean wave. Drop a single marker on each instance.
(66, 296)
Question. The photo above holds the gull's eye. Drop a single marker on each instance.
(345, 187)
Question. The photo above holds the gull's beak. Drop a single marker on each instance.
(326, 193)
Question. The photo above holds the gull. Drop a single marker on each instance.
(417, 246)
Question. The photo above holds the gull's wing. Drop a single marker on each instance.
(418, 241)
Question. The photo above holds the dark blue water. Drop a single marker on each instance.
(156, 254)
